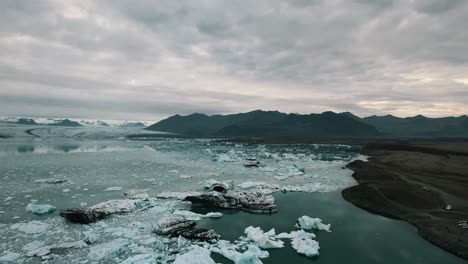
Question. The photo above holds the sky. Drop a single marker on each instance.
(148, 59)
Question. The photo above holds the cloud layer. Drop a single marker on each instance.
(145, 60)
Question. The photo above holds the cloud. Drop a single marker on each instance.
(145, 60)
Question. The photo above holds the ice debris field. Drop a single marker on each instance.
(107, 199)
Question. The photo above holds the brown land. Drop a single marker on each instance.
(423, 183)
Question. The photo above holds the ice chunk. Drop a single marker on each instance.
(177, 195)
(194, 216)
(251, 256)
(32, 227)
(108, 250)
(40, 208)
(115, 206)
(141, 259)
(250, 184)
(66, 190)
(115, 188)
(9, 256)
(197, 255)
(264, 240)
(230, 156)
(302, 242)
(305, 222)
(33, 245)
(295, 170)
(56, 249)
(51, 180)
(185, 176)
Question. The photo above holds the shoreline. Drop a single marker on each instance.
(421, 183)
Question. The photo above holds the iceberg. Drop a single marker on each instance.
(302, 242)
(197, 255)
(263, 239)
(305, 222)
(251, 256)
(141, 259)
(194, 216)
(51, 180)
(40, 208)
(56, 249)
(9, 256)
(177, 195)
(32, 227)
(107, 250)
(115, 188)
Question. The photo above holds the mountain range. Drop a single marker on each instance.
(265, 124)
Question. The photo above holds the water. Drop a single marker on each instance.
(93, 159)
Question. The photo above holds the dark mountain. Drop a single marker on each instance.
(66, 122)
(26, 121)
(419, 126)
(266, 124)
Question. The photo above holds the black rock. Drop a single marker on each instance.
(82, 215)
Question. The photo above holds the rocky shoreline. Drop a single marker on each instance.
(424, 184)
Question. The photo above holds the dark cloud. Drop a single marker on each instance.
(150, 59)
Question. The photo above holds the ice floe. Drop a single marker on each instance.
(107, 250)
(302, 242)
(114, 188)
(195, 217)
(40, 208)
(61, 248)
(32, 227)
(9, 256)
(306, 222)
(51, 180)
(263, 239)
(177, 195)
(197, 255)
(251, 256)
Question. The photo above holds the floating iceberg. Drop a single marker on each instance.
(251, 256)
(263, 239)
(250, 184)
(175, 226)
(177, 195)
(115, 188)
(9, 257)
(32, 227)
(305, 222)
(51, 180)
(197, 255)
(218, 186)
(141, 259)
(40, 208)
(194, 216)
(302, 242)
(56, 249)
(108, 250)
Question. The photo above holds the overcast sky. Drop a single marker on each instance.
(146, 60)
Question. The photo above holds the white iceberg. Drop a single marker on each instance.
(9, 256)
(141, 259)
(32, 227)
(302, 242)
(33, 245)
(115, 188)
(305, 222)
(43, 251)
(197, 255)
(251, 256)
(116, 206)
(250, 184)
(177, 195)
(263, 239)
(194, 216)
(40, 208)
(51, 180)
(107, 250)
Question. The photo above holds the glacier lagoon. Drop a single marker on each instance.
(80, 167)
